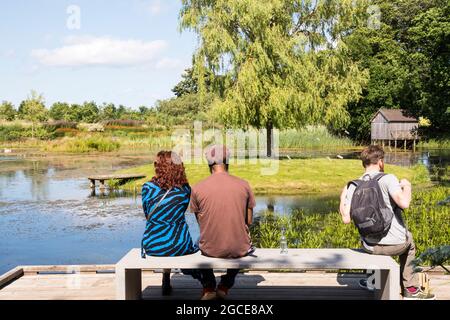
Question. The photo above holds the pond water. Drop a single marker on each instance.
(48, 214)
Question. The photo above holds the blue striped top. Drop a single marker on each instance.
(166, 232)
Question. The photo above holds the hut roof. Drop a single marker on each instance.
(395, 115)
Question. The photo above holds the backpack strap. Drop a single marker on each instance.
(157, 205)
(354, 183)
(379, 176)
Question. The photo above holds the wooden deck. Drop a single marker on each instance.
(97, 283)
(121, 177)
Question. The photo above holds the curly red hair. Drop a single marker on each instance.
(169, 170)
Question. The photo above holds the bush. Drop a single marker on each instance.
(61, 124)
(91, 127)
(434, 257)
(17, 132)
(84, 145)
(124, 123)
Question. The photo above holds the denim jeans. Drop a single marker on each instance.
(208, 279)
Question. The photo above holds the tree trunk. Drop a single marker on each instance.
(269, 128)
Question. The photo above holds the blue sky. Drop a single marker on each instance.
(125, 51)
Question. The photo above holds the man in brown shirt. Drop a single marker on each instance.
(223, 205)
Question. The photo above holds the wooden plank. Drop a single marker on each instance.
(68, 269)
(10, 276)
(117, 177)
(266, 259)
(270, 286)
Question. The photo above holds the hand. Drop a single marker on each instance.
(405, 183)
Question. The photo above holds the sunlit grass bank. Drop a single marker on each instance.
(297, 176)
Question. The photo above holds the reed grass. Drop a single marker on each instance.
(312, 137)
(427, 219)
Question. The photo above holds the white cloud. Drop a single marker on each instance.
(100, 51)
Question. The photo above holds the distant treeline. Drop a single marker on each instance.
(170, 112)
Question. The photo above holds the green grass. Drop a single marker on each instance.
(428, 222)
(297, 176)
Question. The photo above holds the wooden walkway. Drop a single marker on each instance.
(121, 177)
(97, 283)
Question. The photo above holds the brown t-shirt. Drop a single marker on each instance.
(220, 203)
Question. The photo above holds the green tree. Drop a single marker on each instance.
(75, 114)
(33, 109)
(60, 111)
(187, 108)
(407, 59)
(108, 112)
(281, 63)
(428, 45)
(189, 83)
(89, 112)
(7, 111)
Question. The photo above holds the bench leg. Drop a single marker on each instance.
(128, 284)
(389, 288)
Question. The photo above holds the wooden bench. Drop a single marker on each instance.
(129, 268)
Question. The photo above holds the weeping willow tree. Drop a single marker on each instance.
(277, 63)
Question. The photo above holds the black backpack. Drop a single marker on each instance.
(368, 210)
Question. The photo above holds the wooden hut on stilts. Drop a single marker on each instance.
(394, 126)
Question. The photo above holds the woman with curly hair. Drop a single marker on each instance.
(165, 200)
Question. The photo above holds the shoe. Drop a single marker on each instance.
(364, 285)
(166, 287)
(418, 295)
(208, 294)
(222, 292)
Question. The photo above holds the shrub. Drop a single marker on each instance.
(84, 145)
(439, 256)
(124, 123)
(91, 127)
(61, 124)
(16, 132)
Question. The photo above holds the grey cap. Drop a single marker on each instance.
(217, 154)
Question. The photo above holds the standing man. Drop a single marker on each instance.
(223, 205)
(380, 222)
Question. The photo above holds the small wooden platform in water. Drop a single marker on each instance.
(121, 177)
(98, 283)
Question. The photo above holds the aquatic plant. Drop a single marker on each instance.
(428, 221)
(438, 256)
